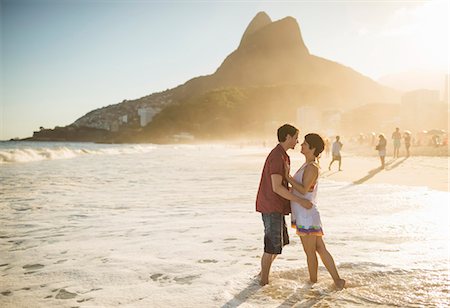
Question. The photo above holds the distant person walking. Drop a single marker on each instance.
(381, 148)
(273, 198)
(336, 152)
(407, 138)
(327, 147)
(397, 137)
(307, 221)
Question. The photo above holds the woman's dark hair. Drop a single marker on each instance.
(285, 130)
(315, 142)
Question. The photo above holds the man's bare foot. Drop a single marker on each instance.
(340, 284)
(263, 283)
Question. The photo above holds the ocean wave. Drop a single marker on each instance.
(23, 155)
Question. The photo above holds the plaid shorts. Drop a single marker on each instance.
(275, 233)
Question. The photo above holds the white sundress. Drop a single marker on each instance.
(306, 221)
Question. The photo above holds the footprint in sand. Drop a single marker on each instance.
(6, 293)
(161, 278)
(155, 277)
(63, 294)
(32, 266)
(186, 279)
(60, 261)
(207, 261)
(230, 239)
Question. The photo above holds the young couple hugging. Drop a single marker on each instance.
(275, 200)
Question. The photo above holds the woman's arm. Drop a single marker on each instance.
(309, 178)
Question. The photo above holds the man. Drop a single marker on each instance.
(273, 199)
(336, 152)
(396, 136)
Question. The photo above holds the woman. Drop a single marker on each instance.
(307, 221)
(381, 147)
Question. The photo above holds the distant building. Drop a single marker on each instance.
(123, 119)
(420, 97)
(422, 109)
(114, 126)
(146, 115)
(445, 99)
(309, 118)
(331, 122)
(312, 119)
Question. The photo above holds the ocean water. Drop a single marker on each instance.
(159, 225)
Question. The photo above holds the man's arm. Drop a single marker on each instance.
(282, 191)
(309, 178)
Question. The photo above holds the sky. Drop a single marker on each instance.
(61, 59)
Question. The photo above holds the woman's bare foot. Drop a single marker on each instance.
(340, 284)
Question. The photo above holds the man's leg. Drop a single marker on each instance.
(329, 166)
(275, 235)
(266, 263)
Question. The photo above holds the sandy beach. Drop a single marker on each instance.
(410, 171)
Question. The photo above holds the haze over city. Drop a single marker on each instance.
(61, 60)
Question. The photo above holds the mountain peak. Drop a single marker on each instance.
(258, 22)
(283, 34)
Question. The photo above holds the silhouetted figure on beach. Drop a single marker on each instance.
(407, 138)
(273, 198)
(396, 137)
(307, 222)
(381, 148)
(336, 153)
(327, 147)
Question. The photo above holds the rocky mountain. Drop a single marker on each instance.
(267, 78)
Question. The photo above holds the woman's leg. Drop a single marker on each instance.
(309, 246)
(328, 261)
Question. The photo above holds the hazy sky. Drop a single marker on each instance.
(61, 59)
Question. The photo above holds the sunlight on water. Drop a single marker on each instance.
(163, 225)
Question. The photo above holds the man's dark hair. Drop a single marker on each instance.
(285, 130)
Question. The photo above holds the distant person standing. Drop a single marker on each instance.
(273, 199)
(397, 137)
(407, 138)
(381, 148)
(327, 147)
(336, 152)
